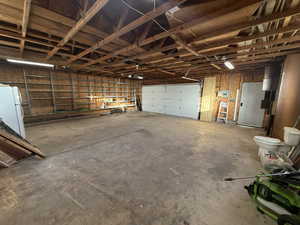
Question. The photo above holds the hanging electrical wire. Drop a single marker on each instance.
(156, 22)
(143, 14)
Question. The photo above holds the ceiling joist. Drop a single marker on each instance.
(131, 26)
(95, 8)
(26, 13)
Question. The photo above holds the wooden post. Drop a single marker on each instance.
(52, 91)
(90, 93)
(27, 92)
(73, 92)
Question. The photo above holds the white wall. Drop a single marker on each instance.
(179, 100)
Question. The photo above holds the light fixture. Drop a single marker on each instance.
(186, 78)
(173, 10)
(30, 63)
(229, 65)
(136, 76)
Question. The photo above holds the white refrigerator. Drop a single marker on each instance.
(11, 111)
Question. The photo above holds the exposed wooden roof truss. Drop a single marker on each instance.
(174, 37)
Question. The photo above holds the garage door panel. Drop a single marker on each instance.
(179, 100)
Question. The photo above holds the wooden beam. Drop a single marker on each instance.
(203, 19)
(214, 44)
(245, 25)
(205, 63)
(227, 51)
(241, 26)
(36, 49)
(177, 29)
(183, 44)
(95, 8)
(208, 45)
(248, 24)
(43, 14)
(191, 49)
(195, 22)
(13, 35)
(49, 22)
(131, 26)
(26, 12)
(260, 55)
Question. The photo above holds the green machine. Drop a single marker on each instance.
(276, 195)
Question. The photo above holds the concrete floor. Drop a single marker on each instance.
(133, 169)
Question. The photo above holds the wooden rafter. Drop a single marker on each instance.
(25, 20)
(204, 63)
(211, 45)
(202, 52)
(227, 51)
(175, 30)
(131, 26)
(95, 8)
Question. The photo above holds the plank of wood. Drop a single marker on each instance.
(12, 149)
(131, 26)
(95, 8)
(21, 143)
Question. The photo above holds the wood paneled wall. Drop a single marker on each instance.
(46, 91)
(232, 81)
(288, 104)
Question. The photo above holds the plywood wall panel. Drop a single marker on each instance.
(208, 99)
(72, 91)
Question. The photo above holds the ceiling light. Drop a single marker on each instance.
(173, 10)
(186, 78)
(229, 65)
(29, 63)
(140, 77)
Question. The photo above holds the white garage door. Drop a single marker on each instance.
(179, 100)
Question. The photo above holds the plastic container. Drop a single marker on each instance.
(291, 136)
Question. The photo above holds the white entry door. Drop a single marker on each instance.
(178, 100)
(250, 112)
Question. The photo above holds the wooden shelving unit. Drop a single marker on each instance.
(47, 91)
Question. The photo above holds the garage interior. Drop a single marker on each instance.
(139, 112)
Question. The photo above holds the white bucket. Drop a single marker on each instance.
(291, 136)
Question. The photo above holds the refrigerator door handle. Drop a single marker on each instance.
(22, 111)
